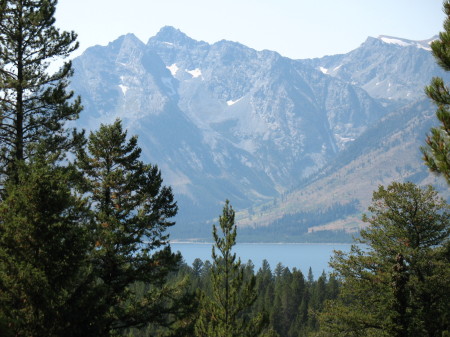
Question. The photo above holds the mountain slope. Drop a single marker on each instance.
(388, 68)
(389, 151)
(124, 80)
(222, 120)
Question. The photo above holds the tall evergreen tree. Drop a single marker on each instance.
(399, 286)
(224, 314)
(132, 210)
(264, 279)
(43, 252)
(43, 223)
(436, 152)
(34, 104)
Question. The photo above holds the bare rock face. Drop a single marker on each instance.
(224, 121)
(388, 68)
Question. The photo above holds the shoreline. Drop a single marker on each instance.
(265, 243)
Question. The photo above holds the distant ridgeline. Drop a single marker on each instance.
(291, 228)
(294, 227)
(224, 121)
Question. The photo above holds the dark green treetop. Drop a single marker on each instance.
(405, 218)
(398, 285)
(436, 153)
(224, 314)
(132, 210)
(34, 103)
(44, 247)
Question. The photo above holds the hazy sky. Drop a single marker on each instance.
(294, 28)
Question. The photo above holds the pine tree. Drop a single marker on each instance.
(298, 290)
(44, 245)
(436, 152)
(34, 104)
(43, 252)
(132, 210)
(276, 313)
(332, 288)
(264, 280)
(397, 287)
(318, 293)
(400, 278)
(223, 315)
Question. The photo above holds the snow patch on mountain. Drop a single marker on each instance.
(407, 43)
(173, 69)
(124, 89)
(327, 71)
(195, 72)
(343, 140)
(394, 41)
(231, 102)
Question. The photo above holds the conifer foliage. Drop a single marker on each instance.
(290, 301)
(399, 285)
(132, 210)
(43, 223)
(436, 152)
(44, 245)
(225, 314)
(34, 103)
(75, 241)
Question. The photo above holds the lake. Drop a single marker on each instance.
(300, 255)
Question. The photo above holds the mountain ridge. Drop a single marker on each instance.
(224, 121)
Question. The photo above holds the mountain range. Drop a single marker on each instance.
(297, 146)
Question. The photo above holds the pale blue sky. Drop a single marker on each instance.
(294, 28)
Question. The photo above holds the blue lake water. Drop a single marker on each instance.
(300, 256)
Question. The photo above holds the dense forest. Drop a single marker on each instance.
(289, 300)
(84, 249)
(396, 286)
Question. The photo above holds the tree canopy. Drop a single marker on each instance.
(224, 314)
(397, 284)
(437, 149)
(76, 241)
(131, 212)
(35, 104)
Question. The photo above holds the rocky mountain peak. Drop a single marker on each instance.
(171, 35)
(423, 44)
(227, 121)
(128, 41)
